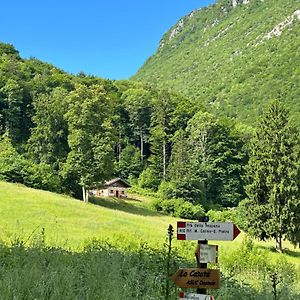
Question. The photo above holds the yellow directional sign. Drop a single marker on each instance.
(197, 278)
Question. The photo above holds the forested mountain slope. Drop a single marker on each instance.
(233, 57)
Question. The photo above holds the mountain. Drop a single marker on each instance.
(233, 57)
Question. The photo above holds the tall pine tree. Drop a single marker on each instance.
(273, 179)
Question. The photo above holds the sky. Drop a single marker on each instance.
(106, 38)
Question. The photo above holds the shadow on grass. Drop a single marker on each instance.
(291, 253)
(288, 252)
(127, 205)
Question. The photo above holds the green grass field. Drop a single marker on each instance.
(69, 223)
(50, 239)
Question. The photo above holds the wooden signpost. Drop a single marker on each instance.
(197, 278)
(202, 278)
(191, 296)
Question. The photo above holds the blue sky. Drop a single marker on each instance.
(110, 39)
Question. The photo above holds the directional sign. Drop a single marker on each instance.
(206, 231)
(186, 296)
(197, 278)
(207, 253)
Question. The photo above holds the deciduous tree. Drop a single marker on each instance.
(90, 160)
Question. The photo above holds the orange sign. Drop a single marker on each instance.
(197, 278)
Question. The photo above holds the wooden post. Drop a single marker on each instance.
(170, 235)
(202, 266)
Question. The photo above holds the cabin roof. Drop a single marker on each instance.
(111, 182)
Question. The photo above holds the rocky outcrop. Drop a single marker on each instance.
(235, 3)
(277, 30)
(177, 29)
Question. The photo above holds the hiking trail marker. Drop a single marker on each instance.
(197, 278)
(202, 278)
(207, 231)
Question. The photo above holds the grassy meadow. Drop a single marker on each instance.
(68, 223)
(56, 247)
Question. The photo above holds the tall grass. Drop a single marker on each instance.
(102, 271)
(57, 248)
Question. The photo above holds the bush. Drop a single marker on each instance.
(167, 190)
(156, 205)
(40, 176)
(241, 213)
(178, 208)
(149, 179)
(251, 264)
(225, 215)
(11, 162)
(190, 191)
(16, 168)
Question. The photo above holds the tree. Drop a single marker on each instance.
(137, 104)
(129, 164)
(90, 160)
(162, 129)
(12, 101)
(216, 159)
(273, 209)
(181, 182)
(48, 141)
(179, 167)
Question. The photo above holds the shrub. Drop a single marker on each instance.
(11, 162)
(16, 168)
(167, 190)
(225, 215)
(190, 190)
(149, 179)
(156, 205)
(40, 176)
(178, 208)
(241, 212)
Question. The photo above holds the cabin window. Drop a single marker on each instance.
(111, 191)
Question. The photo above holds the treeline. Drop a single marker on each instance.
(62, 133)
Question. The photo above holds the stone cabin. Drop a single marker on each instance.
(114, 188)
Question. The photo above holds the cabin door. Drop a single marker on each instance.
(117, 194)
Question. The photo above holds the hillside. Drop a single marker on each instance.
(128, 260)
(233, 57)
(69, 222)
